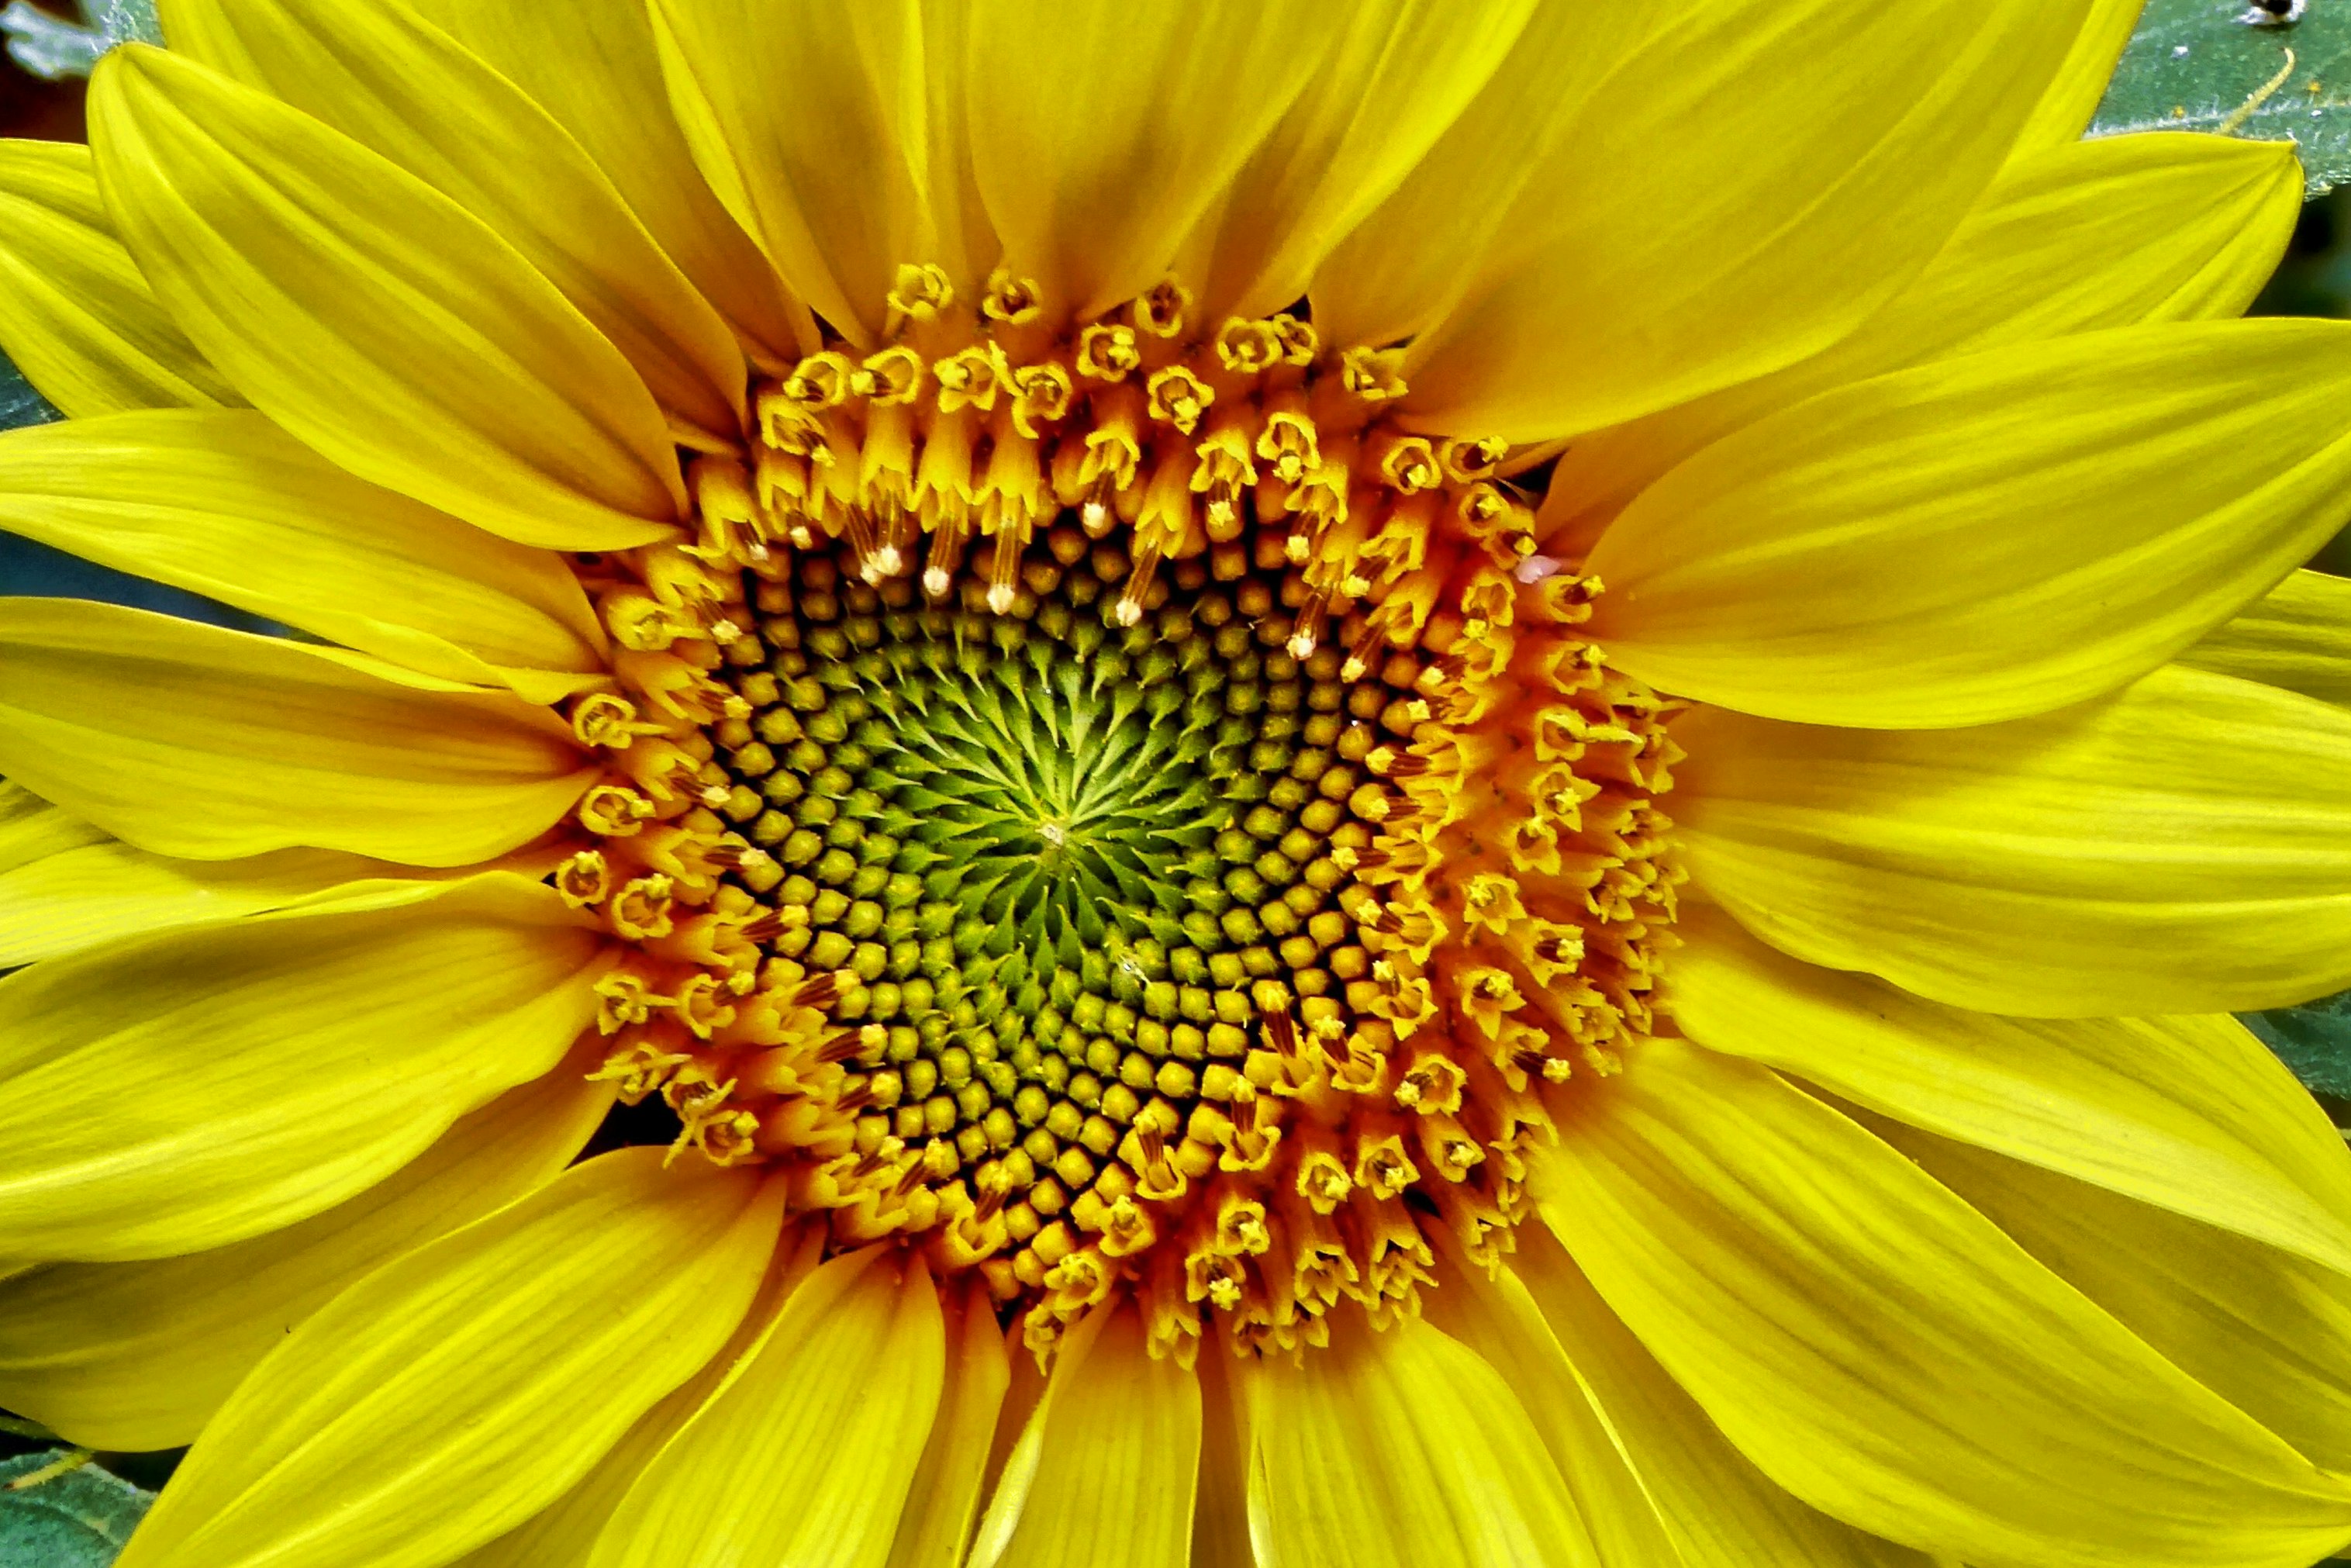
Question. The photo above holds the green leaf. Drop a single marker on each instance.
(19, 402)
(2313, 1039)
(76, 1519)
(53, 49)
(2201, 65)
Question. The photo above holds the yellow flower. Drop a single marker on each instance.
(1574, 903)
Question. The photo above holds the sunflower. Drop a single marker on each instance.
(1439, 784)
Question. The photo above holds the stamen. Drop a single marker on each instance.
(1207, 898)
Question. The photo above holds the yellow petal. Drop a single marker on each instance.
(1401, 72)
(32, 830)
(1890, 1356)
(2268, 1332)
(446, 1396)
(1715, 1506)
(75, 315)
(1497, 1318)
(1989, 537)
(1105, 1465)
(2184, 847)
(592, 65)
(2299, 637)
(1403, 268)
(829, 174)
(1396, 1448)
(373, 318)
(1102, 132)
(139, 1355)
(1220, 1506)
(804, 1453)
(226, 505)
(2190, 1113)
(2088, 235)
(564, 1532)
(196, 1087)
(962, 237)
(189, 740)
(95, 893)
(942, 1500)
(2065, 110)
(1734, 197)
(399, 85)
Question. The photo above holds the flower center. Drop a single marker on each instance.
(1112, 811)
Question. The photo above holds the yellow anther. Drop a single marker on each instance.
(820, 380)
(1374, 375)
(642, 908)
(1179, 397)
(1406, 462)
(623, 998)
(602, 719)
(921, 292)
(1383, 1166)
(970, 378)
(614, 810)
(1106, 352)
(1009, 299)
(1160, 311)
(1289, 443)
(1041, 398)
(583, 879)
(891, 377)
(1247, 347)
(1300, 341)
(1432, 1085)
(1471, 460)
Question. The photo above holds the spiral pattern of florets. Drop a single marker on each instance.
(1197, 892)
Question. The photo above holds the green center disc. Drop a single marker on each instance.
(1069, 859)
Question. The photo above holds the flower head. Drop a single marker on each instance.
(1208, 784)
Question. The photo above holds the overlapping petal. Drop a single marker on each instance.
(258, 1071)
(1887, 1354)
(942, 1500)
(831, 177)
(84, 896)
(1497, 1318)
(2077, 237)
(2065, 110)
(448, 1396)
(189, 740)
(1731, 198)
(1105, 1464)
(804, 1453)
(1990, 537)
(565, 1530)
(32, 830)
(1399, 75)
(593, 64)
(139, 1355)
(1102, 132)
(1392, 1448)
(2268, 1331)
(1715, 1506)
(401, 87)
(373, 316)
(75, 314)
(2183, 847)
(2189, 1113)
(226, 505)
(1400, 268)
(2298, 636)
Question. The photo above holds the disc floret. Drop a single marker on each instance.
(1114, 810)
